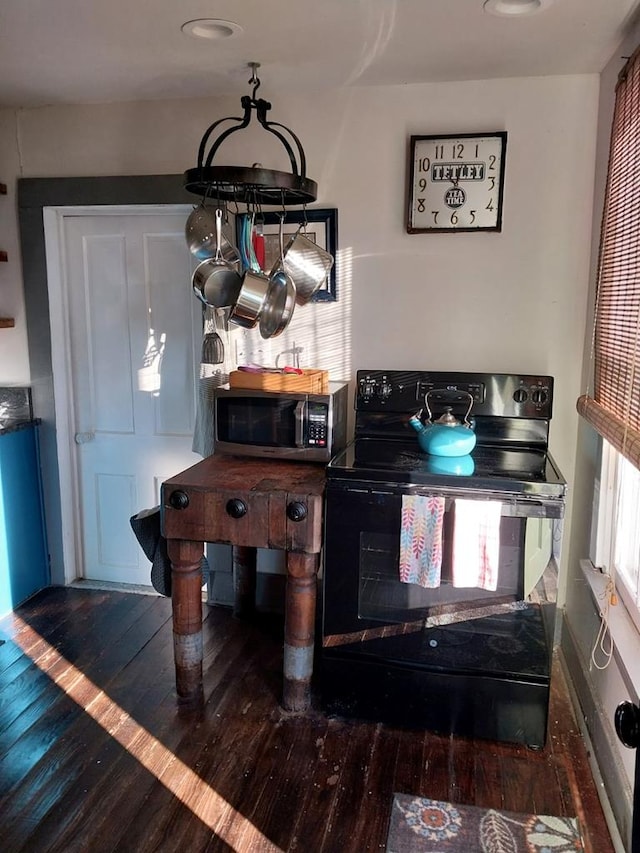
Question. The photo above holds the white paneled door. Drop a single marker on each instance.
(134, 337)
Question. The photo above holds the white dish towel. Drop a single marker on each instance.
(476, 544)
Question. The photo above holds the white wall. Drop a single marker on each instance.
(14, 358)
(513, 301)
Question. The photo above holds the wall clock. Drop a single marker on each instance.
(456, 182)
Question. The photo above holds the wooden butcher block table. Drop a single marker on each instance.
(248, 504)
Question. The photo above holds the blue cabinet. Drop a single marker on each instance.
(24, 559)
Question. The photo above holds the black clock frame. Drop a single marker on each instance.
(411, 229)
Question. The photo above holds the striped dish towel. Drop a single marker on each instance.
(476, 544)
(421, 540)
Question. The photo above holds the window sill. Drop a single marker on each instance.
(623, 631)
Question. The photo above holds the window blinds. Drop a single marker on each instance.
(614, 409)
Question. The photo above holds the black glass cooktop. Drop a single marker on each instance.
(517, 469)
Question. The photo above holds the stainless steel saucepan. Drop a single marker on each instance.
(308, 265)
(216, 282)
(281, 297)
(250, 299)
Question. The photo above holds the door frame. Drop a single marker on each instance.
(42, 205)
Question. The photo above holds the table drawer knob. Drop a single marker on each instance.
(296, 511)
(179, 500)
(236, 508)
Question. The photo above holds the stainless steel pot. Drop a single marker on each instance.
(216, 282)
(308, 265)
(250, 299)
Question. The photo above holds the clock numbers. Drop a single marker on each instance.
(456, 182)
(457, 152)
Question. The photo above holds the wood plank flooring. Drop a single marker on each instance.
(95, 754)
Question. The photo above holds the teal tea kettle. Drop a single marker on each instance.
(446, 436)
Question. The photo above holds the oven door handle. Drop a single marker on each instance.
(520, 507)
(298, 417)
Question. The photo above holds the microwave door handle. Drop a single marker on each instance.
(298, 415)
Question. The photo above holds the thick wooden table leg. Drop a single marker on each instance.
(244, 580)
(186, 601)
(299, 623)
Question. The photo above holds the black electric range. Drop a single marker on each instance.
(461, 660)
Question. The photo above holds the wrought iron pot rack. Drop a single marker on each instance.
(253, 185)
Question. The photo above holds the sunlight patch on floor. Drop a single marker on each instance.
(205, 803)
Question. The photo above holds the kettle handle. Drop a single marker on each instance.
(467, 422)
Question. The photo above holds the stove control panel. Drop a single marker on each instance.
(438, 393)
(503, 395)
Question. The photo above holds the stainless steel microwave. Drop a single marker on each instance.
(280, 424)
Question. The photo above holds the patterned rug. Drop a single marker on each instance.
(419, 825)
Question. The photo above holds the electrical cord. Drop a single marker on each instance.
(606, 648)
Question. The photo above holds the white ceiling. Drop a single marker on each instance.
(75, 51)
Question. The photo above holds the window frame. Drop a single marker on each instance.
(604, 540)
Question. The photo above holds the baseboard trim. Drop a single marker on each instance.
(139, 589)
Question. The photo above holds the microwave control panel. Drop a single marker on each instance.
(317, 425)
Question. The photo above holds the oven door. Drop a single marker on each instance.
(362, 586)
(368, 611)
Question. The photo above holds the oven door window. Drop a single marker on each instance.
(362, 580)
(383, 597)
(257, 421)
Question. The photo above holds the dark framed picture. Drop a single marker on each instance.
(320, 225)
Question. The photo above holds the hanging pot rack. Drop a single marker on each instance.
(254, 185)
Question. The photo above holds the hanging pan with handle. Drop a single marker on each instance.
(308, 265)
(281, 297)
(200, 233)
(251, 298)
(216, 282)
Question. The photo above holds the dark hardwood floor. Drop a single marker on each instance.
(96, 756)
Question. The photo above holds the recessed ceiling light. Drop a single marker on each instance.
(211, 28)
(514, 8)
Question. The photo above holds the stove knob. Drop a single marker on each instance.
(627, 722)
(520, 395)
(296, 511)
(179, 500)
(385, 390)
(367, 388)
(236, 508)
(539, 396)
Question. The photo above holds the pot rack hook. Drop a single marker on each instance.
(255, 80)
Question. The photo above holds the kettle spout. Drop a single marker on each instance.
(415, 421)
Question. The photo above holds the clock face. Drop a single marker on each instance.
(456, 182)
